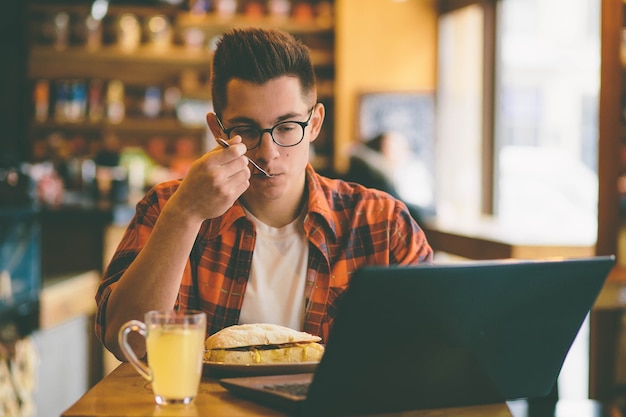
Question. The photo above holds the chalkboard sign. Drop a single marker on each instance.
(411, 113)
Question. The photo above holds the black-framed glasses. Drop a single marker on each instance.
(285, 134)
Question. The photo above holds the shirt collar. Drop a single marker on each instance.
(319, 211)
(221, 224)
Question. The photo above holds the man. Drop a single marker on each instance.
(243, 246)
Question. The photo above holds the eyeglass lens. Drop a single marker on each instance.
(284, 134)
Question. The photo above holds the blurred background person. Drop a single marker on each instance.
(386, 162)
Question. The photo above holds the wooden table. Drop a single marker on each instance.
(124, 393)
(487, 238)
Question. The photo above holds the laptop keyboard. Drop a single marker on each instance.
(298, 389)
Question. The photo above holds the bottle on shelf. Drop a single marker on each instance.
(128, 33)
(116, 109)
(279, 8)
(159, 32)
(78, 102)
(41, 96)
(152, 102)
(93, 28)
(95, 100)
(61, 101)
(225, 8)
(61, 30)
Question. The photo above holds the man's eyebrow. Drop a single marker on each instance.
(242, 120)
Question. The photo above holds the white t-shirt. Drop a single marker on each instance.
(276, 286)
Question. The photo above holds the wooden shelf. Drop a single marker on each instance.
(144, 66)
(161, 126)
(177, 65)
(212, 23)
(85, 8)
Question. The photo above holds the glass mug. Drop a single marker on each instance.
(175, 347)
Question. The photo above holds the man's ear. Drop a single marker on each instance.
(317, 119)
(211, 120)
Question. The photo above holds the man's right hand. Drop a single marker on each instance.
(214, 182)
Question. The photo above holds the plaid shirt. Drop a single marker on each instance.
(347, 227)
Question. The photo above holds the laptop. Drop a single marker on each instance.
(435, 336)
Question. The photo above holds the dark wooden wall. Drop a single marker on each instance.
(14, 101)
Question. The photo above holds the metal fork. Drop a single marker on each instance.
(225, 144)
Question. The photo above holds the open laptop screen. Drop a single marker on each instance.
(433, 336)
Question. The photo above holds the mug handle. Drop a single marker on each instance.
(139, 327)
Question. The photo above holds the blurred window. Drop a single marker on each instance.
(542, 155)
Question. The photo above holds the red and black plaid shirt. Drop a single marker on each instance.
(347, 227)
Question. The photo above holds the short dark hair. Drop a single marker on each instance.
(258, 56)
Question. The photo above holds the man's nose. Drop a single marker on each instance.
(268, 149)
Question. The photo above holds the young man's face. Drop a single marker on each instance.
(263, 106)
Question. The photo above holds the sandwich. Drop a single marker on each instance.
(260, 343)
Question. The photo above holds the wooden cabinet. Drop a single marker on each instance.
(612, 131)
(178, 74)
(606, 317)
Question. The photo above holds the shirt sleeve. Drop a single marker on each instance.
(408, 243)
(134, 238)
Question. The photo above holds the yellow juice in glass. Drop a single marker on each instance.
(175, 357)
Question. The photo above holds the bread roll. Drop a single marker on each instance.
(262, 343)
